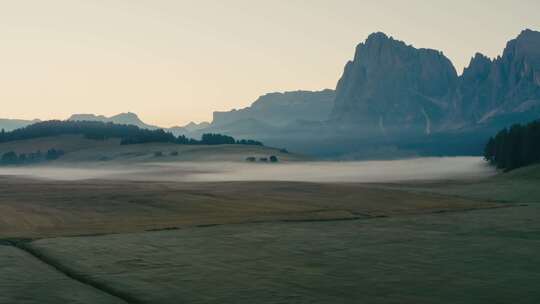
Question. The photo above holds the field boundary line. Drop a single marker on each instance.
(86, 280)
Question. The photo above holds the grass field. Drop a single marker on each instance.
(25, 279)
(109, 241)
(79, 149)
(487, 256)
(45, 208)
(517, 186)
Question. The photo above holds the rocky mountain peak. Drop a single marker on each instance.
(392, 83)
(128, 116)
(375, 40)
(526, 45)
(479, 66)
(529, 35)
(494, 89)
(377, 36)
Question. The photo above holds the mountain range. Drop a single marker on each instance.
(127, 118)
(392, 100)
(122, 118)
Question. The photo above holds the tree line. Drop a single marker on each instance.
(12, 158)
(128, 134)
(514, 147)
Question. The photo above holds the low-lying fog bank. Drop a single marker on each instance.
(442, 168)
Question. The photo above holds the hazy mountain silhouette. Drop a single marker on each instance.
(392, 99)
(12, 124)
(189, 128)
(279, 109)
(122, 118)
(395, 98)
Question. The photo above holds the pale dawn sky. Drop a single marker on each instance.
(173, 62)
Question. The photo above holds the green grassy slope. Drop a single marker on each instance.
(24, 279)
(518, 186)
(487, 256)
(446, 255)
(527, 173)
(80, 149)
(45, 208)
(68, 143)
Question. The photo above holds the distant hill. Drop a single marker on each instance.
(128, 134)
(134, 120)
(79, 150)
(12, 124)
(122, 118)
(58, 140)
(189, 128)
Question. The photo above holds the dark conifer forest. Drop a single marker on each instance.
(514, 147)
(96, 130)
(128, 134)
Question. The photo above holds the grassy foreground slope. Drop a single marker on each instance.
(277, 242)
(80, 149)
(487, 256)
(24, 279)
(517, 186)
(44, 208)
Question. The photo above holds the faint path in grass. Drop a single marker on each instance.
(122, 293)
(483, 256)
(74, 275)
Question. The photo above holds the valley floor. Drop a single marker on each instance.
(103, 241)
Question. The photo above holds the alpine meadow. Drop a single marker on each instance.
(269, 152)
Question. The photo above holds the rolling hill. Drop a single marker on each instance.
(79, 149)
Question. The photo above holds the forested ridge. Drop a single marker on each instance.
(128, 134)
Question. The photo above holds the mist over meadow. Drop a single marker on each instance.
(443, 168)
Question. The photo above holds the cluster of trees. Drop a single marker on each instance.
(12, 158)
(249, 142)
(272, 159)
(219, 139)
(515, 147)
(90, 129)
(127, 133)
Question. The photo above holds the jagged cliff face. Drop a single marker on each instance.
(391, 87)
(508, 85)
